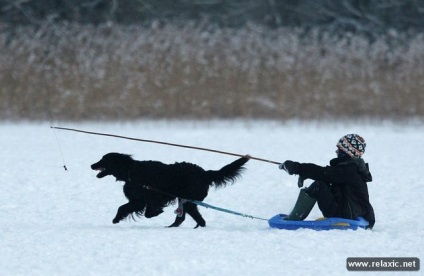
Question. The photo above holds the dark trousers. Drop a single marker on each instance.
(326, 201)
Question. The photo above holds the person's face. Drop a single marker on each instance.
(337, 151)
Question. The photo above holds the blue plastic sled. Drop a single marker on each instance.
(279, 222)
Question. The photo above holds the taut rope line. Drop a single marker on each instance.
(206, 205)
(165, 143)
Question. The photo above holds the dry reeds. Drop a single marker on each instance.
(76, 72)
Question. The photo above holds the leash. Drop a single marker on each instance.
(179, 211)
(224, 210)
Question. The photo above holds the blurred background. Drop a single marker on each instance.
(211, 59)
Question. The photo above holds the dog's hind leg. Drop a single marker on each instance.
(178, 220)
(180, 214)
(192, 210)
(128, 209)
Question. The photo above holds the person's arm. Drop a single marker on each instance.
(330, 174)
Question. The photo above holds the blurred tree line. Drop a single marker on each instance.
(356, 16)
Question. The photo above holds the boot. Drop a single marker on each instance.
(303, 206)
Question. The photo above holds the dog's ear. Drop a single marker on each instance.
(123, 166)
(126, 160)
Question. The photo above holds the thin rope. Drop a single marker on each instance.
(60, 150)
(166, 143)
(224, 210)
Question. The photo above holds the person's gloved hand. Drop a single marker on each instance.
(290, 167)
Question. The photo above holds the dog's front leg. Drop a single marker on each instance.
(126, 210)
(122, 213)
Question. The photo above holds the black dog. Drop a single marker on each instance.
(151, 185)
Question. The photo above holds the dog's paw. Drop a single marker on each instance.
(200, 224)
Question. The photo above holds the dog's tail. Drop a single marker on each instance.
(229, 173)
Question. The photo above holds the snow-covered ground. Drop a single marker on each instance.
(57, 222)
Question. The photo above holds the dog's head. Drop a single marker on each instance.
(116, 164)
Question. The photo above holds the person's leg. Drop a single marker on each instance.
(302, 208)
(326, 201)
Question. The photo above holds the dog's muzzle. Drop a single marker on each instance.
(102, 171)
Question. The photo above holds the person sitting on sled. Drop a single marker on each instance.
(340, 189)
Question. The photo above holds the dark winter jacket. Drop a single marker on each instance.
(347, 178)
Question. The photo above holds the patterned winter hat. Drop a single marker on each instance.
(352, 144)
